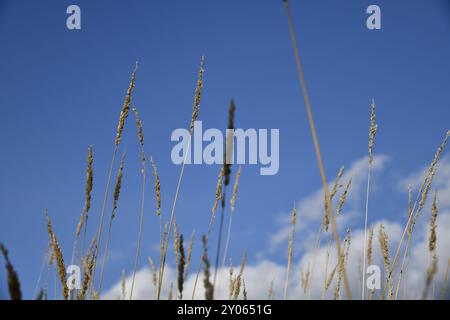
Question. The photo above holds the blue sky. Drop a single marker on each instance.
(62, 91)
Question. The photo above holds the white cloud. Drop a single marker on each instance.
(441, 182)
(311, 208)
(259, 275)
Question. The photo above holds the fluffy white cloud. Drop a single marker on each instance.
(310, 209)
(441, 182)
(259, 275)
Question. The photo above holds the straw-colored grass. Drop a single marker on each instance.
(290, 245)
(328, 204)
(195, 111)
(13, 279)
(58, 258)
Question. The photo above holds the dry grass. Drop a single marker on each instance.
(88, 269)
(432, 240)
(230, 221)
(144, 179)
(181, 265)
(13, 280)
(123, 115)
(189, 255)
(157, 187)
(384, 244)
(237, 287)
(343, 197)
(226, 181)
(154, 275)
(195, 111)
(328, 204)
(111, 219)
(58, 258)
(209, 290)
(290, 245)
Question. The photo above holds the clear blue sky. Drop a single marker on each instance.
(61, 91)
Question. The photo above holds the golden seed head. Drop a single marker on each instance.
(431, 173)
(209, 289)
(181, 266)
(88, 269)
(218, 191)
(118, 185)
(59, 259)
(123, 284)
(157, 187)
(433, 239)
(383, 238)
(235, 189)
(125, 107)
(336, 182)
(139, 126)
(198, 94)
(326, 217)
(372, 131)
(89, 180)
(294, 216)
(189, 255)
(343, 197)
(330, 278)
(369, 246)
(153, 268)
(176, 240)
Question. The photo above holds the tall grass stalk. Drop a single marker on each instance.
(422, 195)
(372, 132)
(82, 224)
(228, 160)
(196, 108)
(218, 197)
(144, 179)
(123, 115)
(113, 215)
(324, 225)
(328, 203)
(230, 222)
(290, 245)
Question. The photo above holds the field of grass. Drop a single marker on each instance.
(87, 252)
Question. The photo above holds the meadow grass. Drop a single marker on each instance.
(335, 272)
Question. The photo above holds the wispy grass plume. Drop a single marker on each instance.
(113, 215)
(226, 180)
(383, 238)
(432, 240)
(328, 204)
(209, 291)
(372, 132)
(144, 179)
(291, 241)
(59, 259)
(195, 111)
(123, 115)
(230, 221)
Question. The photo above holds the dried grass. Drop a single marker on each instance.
(13, 279)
